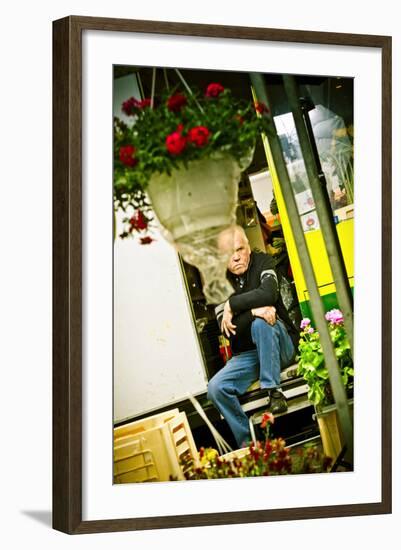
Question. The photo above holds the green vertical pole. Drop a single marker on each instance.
(316, 303)
(317, 184)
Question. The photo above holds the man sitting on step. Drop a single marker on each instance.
(262, 336)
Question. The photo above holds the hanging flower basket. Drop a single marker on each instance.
(181, 160)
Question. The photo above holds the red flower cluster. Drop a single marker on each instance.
(261, 108)
(131, 105)
(177, 141)
(214, 89)
(271, 457)
(127, 155)
(199, 136)
(138, 221)
(176, 102)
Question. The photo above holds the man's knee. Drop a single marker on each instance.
(213, 389)
(260, 325)
(218, 387)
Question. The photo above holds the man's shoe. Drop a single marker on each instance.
(277, 403)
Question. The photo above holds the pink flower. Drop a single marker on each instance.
(311, 330)
(335, 317)
(305, 323)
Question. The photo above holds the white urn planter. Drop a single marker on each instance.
(195, 205)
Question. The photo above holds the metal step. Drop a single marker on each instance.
(296, 402)
(290, 393)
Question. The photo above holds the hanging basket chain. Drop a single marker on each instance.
(189, 90)
(166, 79)
(152, 96)
(140, 84)
(184, 82)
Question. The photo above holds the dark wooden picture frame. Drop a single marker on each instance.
(67, 274)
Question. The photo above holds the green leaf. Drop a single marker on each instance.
(322, 373)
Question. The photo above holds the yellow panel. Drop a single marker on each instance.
(317, 249)
(315, 243)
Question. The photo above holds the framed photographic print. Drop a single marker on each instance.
(221, 289)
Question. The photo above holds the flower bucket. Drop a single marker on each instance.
(330, 434)
(330, 431)
(195, 205)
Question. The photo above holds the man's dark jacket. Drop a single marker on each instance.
(257, 287)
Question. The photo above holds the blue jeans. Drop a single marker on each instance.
(274, 348)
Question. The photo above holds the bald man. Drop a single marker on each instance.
(262, 336)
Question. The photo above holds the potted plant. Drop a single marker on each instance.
(181, 159)
(312, 367)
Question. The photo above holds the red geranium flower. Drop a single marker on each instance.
(267, 418)
(127, 155)
(138, 221)
(144, 103)
(176, 143)
(214, 89)
(261, 108)
(199, 136)
(128, 106)
(176, 102)
(146, 240)
(268, 450)
(131, 105)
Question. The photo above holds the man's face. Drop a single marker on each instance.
(239, 260)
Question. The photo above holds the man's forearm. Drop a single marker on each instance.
(263, 296)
